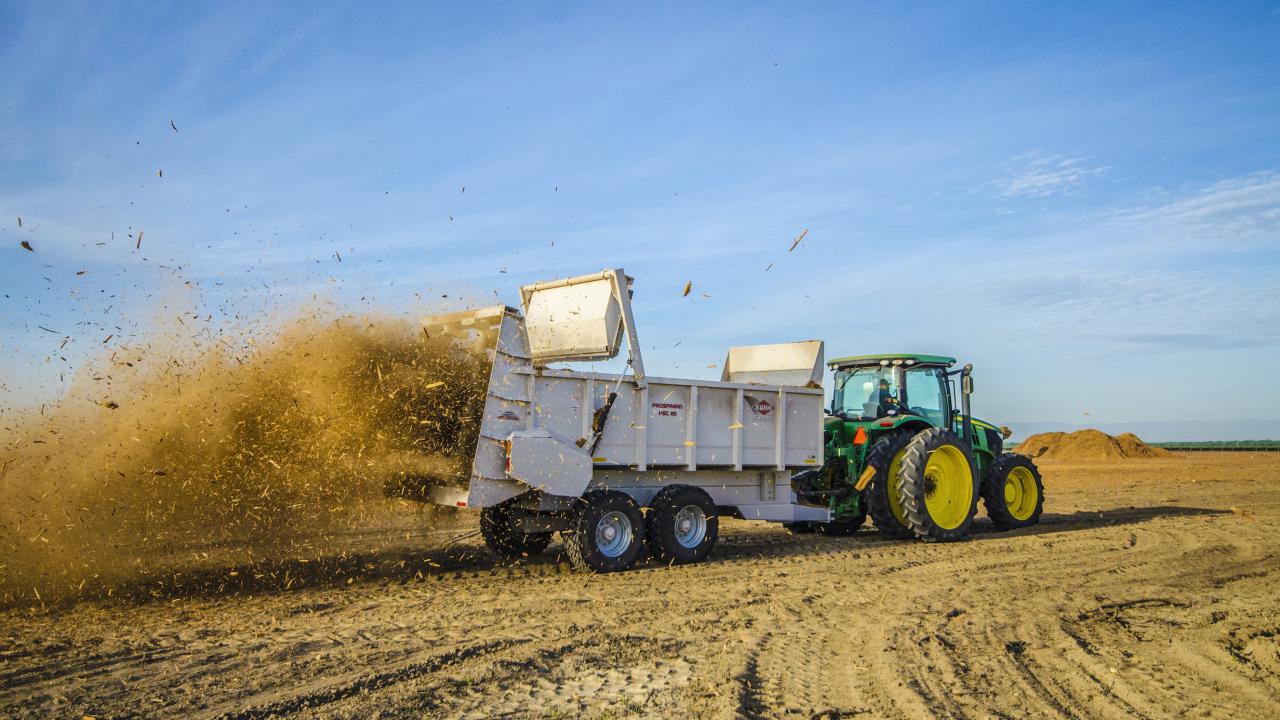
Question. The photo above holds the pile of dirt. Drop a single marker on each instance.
(279, 447)
(1087, 445)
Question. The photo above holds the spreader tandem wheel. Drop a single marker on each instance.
(607, 533)
(505, 538)
(1013, 492)
(938, 486)
(682, 525)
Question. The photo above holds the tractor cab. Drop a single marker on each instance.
(870, 388)
(901, 445)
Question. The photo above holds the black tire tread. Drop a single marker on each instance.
(577, 543)
(654, 534)
(993, 491)
(504, 540)
(881, 458)
(912, 491)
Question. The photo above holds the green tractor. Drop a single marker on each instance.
(898, 448)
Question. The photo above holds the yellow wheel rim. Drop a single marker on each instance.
(895, 502)
(948, 487)
(1020, 493)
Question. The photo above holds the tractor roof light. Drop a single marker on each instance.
(897, 362)
(911, 362)
(884, 362)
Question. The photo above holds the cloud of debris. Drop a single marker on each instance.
(181, 446)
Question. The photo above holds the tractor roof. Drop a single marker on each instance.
(875, 359)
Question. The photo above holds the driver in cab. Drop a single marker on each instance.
(886, 402)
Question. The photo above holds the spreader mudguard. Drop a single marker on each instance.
(545, 462)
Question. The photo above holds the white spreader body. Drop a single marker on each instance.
(740, 438)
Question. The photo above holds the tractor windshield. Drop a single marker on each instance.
(865, 393)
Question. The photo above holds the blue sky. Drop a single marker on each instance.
(1083, 200)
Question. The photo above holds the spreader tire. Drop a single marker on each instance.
(880, 503)
(938, 485)
(504, 538)
(682, 525)
(607, 533)
(1013, 492)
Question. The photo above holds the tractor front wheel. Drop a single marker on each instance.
(938, 485)
(1013, 492)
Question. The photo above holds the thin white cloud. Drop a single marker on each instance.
(1236, 209)
(1184, 309)
(1036, 175)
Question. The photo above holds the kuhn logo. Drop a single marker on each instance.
(761, 407)
(508, 415)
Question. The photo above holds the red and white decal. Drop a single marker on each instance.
(760, 407)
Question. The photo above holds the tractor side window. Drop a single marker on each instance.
(924, 395)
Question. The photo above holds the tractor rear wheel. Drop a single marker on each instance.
(682, 525)
(499, 528)
(938, 485)
(882, 495)
(607, 533)
(1013, 492)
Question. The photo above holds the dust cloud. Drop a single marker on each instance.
(167, 453)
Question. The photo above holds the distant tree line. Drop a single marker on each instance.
(1222, 445)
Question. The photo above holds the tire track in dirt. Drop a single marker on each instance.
(1060, 675)
(329, 690)
(1011, 625)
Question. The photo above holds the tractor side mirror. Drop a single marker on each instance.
(966, 384)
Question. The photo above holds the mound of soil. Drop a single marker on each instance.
(1087, 445)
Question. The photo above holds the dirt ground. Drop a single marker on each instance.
(1150, 589)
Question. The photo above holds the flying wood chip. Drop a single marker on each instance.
(687, 287)
(27, 246)
(175, 127)
(139, 245)
(797, 240)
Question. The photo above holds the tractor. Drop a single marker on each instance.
(897, 448)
